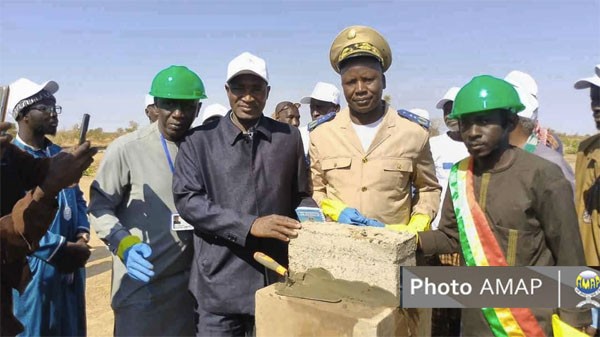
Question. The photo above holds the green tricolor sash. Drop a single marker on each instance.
(480, 248)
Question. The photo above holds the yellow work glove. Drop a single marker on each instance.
(332, 208)
(403, 228)
(417, 223)
(398, 228)
(420, 223)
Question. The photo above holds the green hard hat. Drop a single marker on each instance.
(177, 82)
(485, 93)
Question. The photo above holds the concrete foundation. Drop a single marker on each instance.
(367, 254)
(288, 316)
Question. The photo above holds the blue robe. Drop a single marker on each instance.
(53, 304)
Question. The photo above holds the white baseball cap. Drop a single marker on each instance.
(149, 100)
(420, 112)
(247, 63)
(448, 97)
(588, 81)
(522, 80)
(24, 88)
(325, 92)
(212, 111)
(530, 102)
(528, 90)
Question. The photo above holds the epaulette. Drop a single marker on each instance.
(323, 119)
(414, 118)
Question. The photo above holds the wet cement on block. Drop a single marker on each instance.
(319, 284)
(278, 315)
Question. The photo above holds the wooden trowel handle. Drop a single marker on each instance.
(268, 262)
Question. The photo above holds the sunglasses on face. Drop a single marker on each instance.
(47, 109)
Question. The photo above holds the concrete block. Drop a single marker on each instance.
(289, 316)
(367, 254)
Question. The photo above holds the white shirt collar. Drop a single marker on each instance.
(27, 145)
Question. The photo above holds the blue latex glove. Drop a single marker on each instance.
(374, 223)
(352, 216)
(135, 260)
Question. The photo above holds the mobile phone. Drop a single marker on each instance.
(4, 101)
(84, 128)
(313, 214)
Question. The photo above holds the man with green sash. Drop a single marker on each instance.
(507, 207)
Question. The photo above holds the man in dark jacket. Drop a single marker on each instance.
(237, 182)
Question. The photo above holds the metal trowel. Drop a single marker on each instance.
(290, 287)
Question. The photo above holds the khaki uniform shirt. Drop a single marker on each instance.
(587, 172)
(378, 181)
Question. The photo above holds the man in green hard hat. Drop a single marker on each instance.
(132, 210)
(507, 206)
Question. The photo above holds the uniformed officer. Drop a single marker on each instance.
(369, 155)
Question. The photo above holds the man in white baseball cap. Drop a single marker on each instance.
(150, 108)
(247, 64)
(324, 101)
(53, 303)
(449, 97)
(527, 89)
(447, 148)
(528, 92)
(524, 134)
(212, 113)
(589, 82)
(24, 93)
(238, 182)
(587, 178)
(325, 98)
